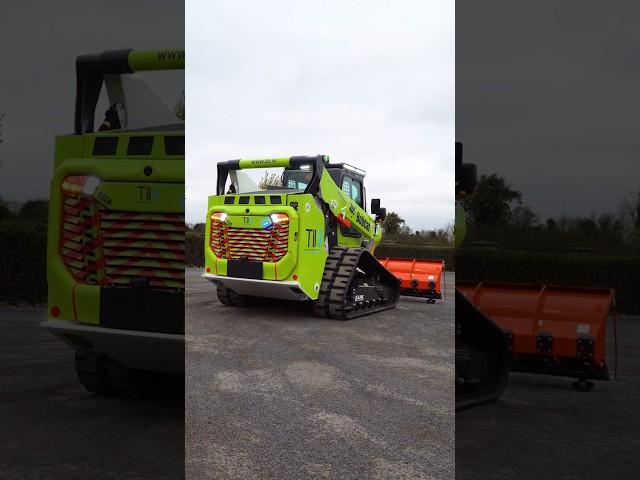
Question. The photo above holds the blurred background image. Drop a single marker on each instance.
(46, 405)
(277, 386)
(545, 111)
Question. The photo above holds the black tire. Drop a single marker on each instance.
(231, 298)
(106, 377)
(582, 385)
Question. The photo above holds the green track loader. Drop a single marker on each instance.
(297, 228)
(115, 253)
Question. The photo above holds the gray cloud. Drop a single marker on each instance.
(544, 97)
(364, 82)
(38, 45)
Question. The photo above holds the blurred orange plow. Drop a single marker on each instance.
(551, 330)
(418, 278)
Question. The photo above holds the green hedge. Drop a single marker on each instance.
(23, 276)
(23, 259)
(418, 251)
(620, 273)
(23, 266)
(195, 248)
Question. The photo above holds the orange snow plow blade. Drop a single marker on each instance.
(551, 330)
(418, 278)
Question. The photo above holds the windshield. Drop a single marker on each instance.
(284, 180)
(142, 100)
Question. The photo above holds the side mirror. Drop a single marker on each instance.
(466, 174)
(379, 212)
(467, 178)
(375, 206)
(458, 154)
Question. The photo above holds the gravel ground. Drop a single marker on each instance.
(51, 428)
(273, 392)
(543, 429)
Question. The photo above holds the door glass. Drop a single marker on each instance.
(355, 192)
(346, 186)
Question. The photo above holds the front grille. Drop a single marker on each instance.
(257, 244)
(104, 247)
(143, 245)
(80, 239)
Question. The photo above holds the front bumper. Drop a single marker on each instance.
(158, 352)
(286, 290)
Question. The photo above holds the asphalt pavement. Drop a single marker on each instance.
(52, 428)
(274, 392)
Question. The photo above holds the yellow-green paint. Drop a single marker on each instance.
(152, 197)
(264, 163)
(170, 59)
(341, 204)
(124, 187)
(460, 226)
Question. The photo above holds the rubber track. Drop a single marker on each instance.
(339, 271)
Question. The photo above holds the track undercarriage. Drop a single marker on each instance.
(354, 284)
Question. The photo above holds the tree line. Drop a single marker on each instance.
(31, 211)
(395, 231)
(496, 211)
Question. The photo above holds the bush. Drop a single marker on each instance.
(23, 273)
(417, 251)
(194, 249)
(195, 256)
(620, 273)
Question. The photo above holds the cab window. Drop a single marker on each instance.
(346, 186)
(356, 192)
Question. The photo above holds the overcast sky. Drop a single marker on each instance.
(367, 82)
(39, 41)
(546, 96)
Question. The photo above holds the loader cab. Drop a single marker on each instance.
(351, 181)
(297, 178)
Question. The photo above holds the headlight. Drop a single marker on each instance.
(218, 217)
(277, 218)
(91, 184)
(85, 184)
